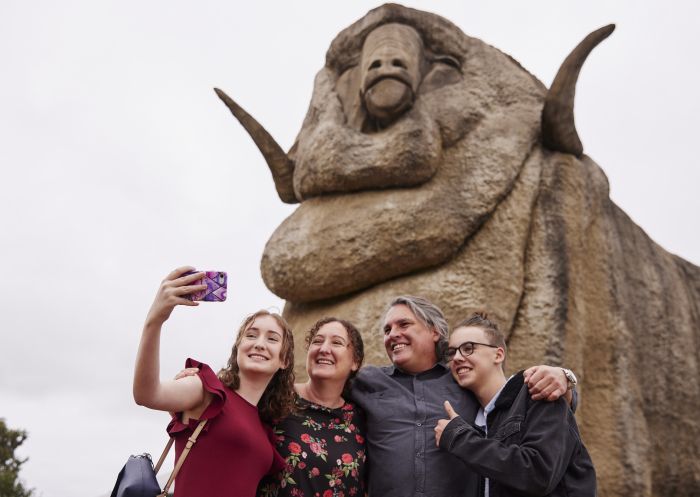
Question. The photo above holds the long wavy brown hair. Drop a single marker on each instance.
(278, 399)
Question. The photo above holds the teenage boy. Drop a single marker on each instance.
(518, 445)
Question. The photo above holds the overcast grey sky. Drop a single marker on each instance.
(119, 163)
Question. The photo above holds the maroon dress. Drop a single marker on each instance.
(233, 451)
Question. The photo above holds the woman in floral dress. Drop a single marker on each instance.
(323, 440)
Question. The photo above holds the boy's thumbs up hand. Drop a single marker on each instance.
(443, 422)
(450, 412)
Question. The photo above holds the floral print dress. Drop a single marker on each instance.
(324, 451)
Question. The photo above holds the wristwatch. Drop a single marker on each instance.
(570, 379)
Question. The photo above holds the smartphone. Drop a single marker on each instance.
(216, 282)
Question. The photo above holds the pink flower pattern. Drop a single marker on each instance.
(325, 454)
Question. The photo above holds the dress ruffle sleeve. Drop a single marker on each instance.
(211, 384)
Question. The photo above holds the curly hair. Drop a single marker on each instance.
(277, 400)
(356, 343)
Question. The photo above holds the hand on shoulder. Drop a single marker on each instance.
(546, 382)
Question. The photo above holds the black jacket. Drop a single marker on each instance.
(533, 447)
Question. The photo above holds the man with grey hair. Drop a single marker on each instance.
(404, 401)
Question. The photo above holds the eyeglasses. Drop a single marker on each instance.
(466, 349)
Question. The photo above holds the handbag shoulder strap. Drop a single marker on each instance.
(171, 440)
(190, 442)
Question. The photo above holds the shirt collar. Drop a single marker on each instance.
(492, 403)
(440, 366)
(510, 390)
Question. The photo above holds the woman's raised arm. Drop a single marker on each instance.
(149, 391)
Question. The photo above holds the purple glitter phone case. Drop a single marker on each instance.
(216, 282)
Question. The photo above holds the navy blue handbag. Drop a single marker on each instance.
(138, 476)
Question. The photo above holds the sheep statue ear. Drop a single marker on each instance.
(558, 127)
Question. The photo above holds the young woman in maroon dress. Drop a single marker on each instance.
(235, 449)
